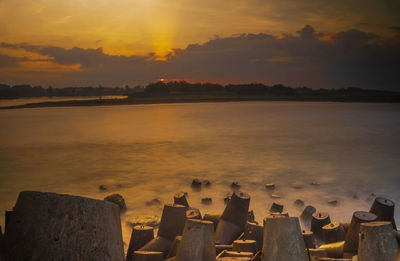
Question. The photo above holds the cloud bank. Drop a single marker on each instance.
(307, 58)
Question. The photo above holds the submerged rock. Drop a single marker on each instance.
(299, 202)
(117, 199)
(102, 188)
(154, 202)
(206, 201)
(235, 185)
(270, 186)
(276, 208)
(196, 183)
(206, 183)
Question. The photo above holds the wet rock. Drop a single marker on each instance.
(235, 185)
(193, 213)
(270, 186)
(276, 208)
(196, 183)
(50, 226)
(154, 202)
(275, 196)
(228, 197)
(206, 183)
(102, 188)
(314, 183)
(299, 202)
(333, 202)
(206, 201)
(151, 221)
(117, 199)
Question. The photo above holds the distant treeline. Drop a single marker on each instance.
(25, 90)
(182, 88)
(258, 90)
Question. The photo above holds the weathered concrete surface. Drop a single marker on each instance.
(383, 208)
(140, 236)
(172, 221)
(333, 232)
(255, 232)
(49, 226)
(377, 242)
(236, 211)
(283, 240)
(198, 241)
(351, 242)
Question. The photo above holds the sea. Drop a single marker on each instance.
(317, 152)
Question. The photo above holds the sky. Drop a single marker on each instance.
(319, 44)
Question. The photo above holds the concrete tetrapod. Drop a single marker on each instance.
(213, 217)
(383, 208)
(140, 236)
(377, 242)
(175, 246)
(147, 256)
(172, 221)
(180, 199)
(158, 244)
(351, 241)
(255, 232)
(283, 240)
(309, 239)
(50, 226)
(319, 219)
(234, 218)
(243, 245)
(306, 216)
(198, 241)
(333, 232)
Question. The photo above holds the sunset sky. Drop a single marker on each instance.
(321, 44)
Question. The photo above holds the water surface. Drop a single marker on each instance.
(153, 151)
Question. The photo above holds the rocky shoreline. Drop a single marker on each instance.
(50, 226)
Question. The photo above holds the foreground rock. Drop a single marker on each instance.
(117, 199)
(49, 226)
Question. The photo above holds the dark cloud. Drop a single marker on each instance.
(9, 61)
(395, 28)
(348, 58)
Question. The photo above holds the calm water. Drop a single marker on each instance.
(152, 151)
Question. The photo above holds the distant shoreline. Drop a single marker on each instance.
(180, 99)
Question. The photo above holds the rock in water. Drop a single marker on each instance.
(49, 226)
(117, 199)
